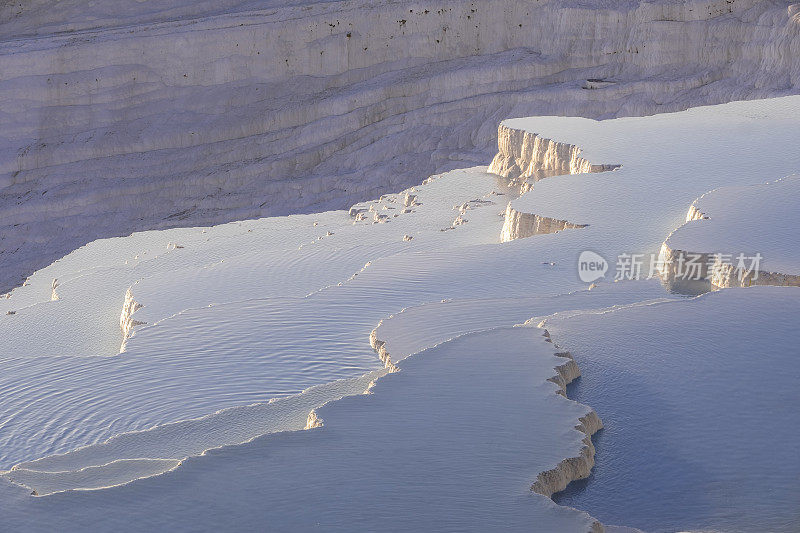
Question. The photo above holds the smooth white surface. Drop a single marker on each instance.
(667, 162)
(755, 219)
(224, 327)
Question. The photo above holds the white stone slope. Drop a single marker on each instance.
(224, 352)
(452, 442)
(249, 328)
(242, 313)
(697, 396)
(667, 161)
(130, 456)
(727, 228)
(132, 116)
(232, 315)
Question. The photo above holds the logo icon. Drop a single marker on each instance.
(591, 266)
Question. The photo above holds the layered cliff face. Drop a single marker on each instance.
(156, 115)
(526, 157)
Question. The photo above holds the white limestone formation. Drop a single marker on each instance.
(738, 236)
(519, 225)
(239, 303)
(245, 337)
(648, 175)
(525, 155)
(526, 158)
(424, 444)
(212, 307)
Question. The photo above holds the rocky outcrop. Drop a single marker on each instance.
(380, 348)
(580, 466)
(720, 271)
(725, 275)
(126, 320)
(528, 156)
(519, 225)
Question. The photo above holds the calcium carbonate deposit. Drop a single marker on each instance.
(330, 363)
(355, 266)
(730, 223)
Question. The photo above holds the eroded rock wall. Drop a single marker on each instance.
(153, 116)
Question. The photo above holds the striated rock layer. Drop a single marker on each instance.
(525, 155)
(158, 115)
(519, 225)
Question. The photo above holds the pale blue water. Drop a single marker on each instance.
(700, 422)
